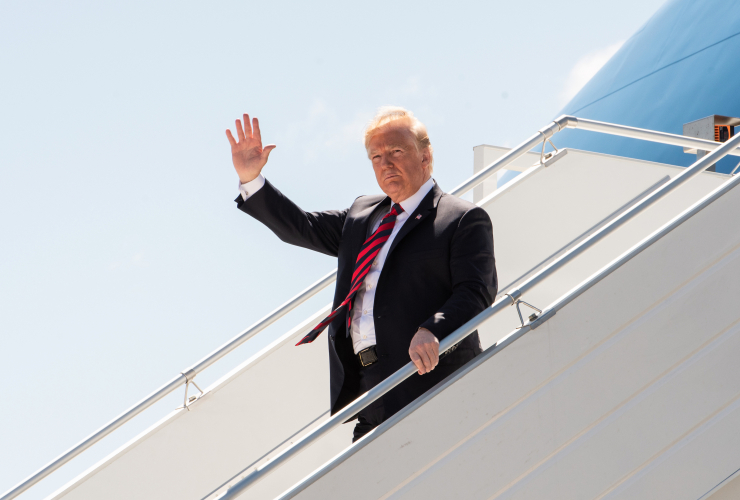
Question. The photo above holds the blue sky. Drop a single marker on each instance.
(123, 259)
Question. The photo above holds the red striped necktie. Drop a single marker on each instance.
(370, 249)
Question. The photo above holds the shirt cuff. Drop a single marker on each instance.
(249, 188)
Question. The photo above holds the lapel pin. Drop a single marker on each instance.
(418, 217)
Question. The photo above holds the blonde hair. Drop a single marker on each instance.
(387, 114)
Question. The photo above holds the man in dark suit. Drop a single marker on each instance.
(413, 265)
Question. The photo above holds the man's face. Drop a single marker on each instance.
(400, 168)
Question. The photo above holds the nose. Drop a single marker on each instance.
(385, 161)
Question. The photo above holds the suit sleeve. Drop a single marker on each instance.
(318, 231)
(473, 270)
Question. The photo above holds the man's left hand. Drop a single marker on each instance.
(424, 351)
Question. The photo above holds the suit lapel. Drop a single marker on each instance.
(421, 213)
(362, 227)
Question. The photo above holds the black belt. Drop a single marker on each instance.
(367, 356)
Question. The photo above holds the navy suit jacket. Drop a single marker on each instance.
(439, 273)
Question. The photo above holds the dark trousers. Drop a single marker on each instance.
(384, 408)
(374, 414)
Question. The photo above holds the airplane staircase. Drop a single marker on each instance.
(624, 385)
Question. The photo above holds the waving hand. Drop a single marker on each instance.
(247, 153)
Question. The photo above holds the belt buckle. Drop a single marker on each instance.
(371, 355)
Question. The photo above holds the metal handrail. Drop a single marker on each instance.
(186, 375)
(567, 121)
(645, 134)
(461, 333)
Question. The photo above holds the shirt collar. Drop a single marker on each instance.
(412, 202)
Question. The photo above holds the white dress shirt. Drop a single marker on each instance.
(363, 324)
(249, 188)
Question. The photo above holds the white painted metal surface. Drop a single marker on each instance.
(242, 420)
(579, 180)
(632, 390)
(729, 489)
(484, 155)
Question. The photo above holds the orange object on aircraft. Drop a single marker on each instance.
(723, 132)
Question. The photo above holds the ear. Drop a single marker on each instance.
(426, 158)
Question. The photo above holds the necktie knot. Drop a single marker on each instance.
(397, 209)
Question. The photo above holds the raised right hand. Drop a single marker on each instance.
(247, 154)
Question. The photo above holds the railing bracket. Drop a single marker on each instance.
(516, 300)
(544, 157)
(190, 379)
(542, 318)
